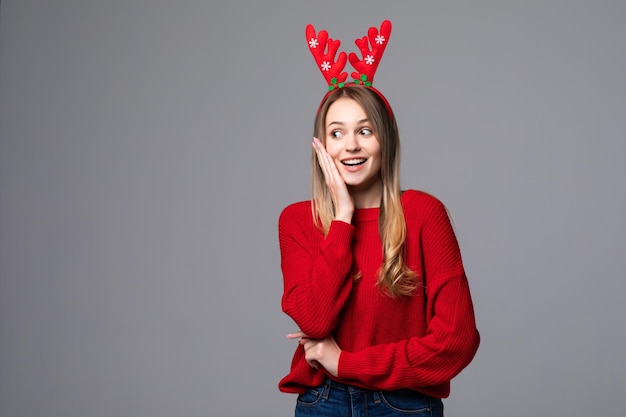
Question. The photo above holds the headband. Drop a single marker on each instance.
(331, 65)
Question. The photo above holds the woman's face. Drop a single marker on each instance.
(351, 142)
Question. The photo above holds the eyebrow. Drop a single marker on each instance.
(360, 122)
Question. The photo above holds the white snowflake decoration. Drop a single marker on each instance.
(313, 43)
(325, 66)
(380, 39)
(369, 60)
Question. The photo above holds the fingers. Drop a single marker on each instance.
(304, 340)
(344, 206)
(313, 348)
(331, 174)
(306, 343)
(296, 335)
(313, 364)
(319, 353)
(311, 351)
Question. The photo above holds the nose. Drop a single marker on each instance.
(352, 143)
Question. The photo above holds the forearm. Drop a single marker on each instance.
(446, 347)
(317, 282)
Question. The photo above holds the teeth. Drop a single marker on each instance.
(353, 162)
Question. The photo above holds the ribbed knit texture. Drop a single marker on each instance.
(419, 342)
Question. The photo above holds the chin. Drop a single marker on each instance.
(356, 184)
(351, 182)
(361, 183)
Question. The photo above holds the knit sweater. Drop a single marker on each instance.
(417, 342)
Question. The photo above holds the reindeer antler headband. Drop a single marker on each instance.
(331, 65)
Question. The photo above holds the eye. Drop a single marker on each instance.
(336, 134)
(366, 131)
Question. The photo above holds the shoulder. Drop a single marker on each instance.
(297, 214)
(299, 209)
(420, 200)
(421, 208)
(296, 222)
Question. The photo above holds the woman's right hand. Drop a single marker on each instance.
(342, 201)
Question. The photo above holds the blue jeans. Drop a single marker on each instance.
(333, 399)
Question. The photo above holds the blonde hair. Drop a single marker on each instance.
(395, 278)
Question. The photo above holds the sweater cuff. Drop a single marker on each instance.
(340, 231)
(348, 367)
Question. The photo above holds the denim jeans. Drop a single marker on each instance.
(333, 399)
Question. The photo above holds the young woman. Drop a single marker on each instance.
(373, 276)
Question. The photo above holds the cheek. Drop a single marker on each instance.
(377, 163)
(375, 152)
(332, 149)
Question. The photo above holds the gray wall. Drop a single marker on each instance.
(147, 148)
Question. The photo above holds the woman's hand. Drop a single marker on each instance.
(344, 205)
(324, 352)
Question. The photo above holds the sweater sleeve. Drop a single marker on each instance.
(451, 338)
(315, 271)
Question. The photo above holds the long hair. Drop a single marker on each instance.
(394, 277)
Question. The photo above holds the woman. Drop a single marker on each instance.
(373, 276)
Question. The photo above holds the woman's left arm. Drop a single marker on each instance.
(450, 343)
(451, 338)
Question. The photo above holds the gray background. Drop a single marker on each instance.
(147, 148)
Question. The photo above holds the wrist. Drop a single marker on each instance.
(345, 216)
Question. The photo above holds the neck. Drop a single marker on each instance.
(369, 197)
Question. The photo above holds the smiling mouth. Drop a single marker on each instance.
(354, 162)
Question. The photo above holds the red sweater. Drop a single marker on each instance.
(418, 342)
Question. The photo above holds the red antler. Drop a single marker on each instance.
(331, 69)
(366, 67)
